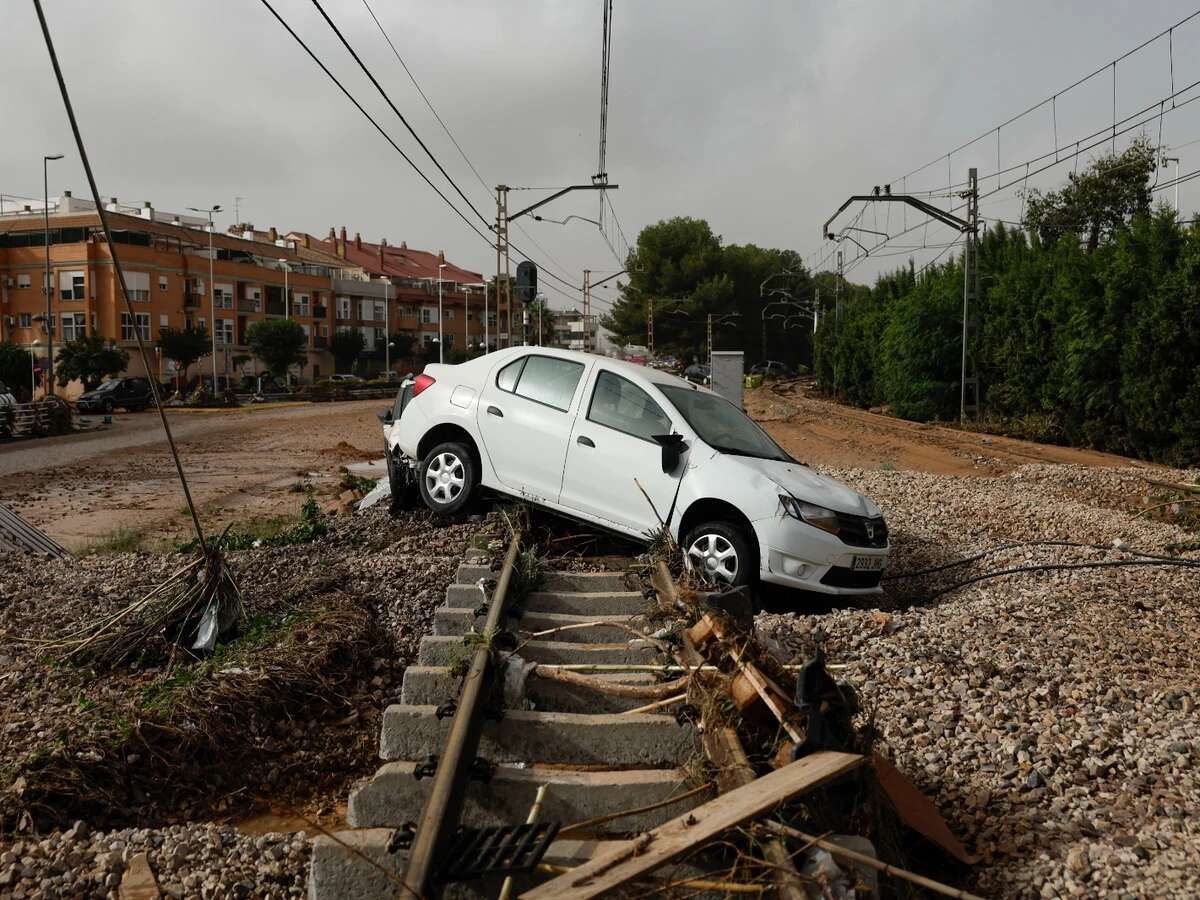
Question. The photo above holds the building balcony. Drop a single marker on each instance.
(318, 312)
(275, 308)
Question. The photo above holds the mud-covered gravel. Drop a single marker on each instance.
(399, 568)
(1053, 715)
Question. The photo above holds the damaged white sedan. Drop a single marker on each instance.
(632, 450)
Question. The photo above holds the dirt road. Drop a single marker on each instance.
(824, 433)
(241, 464)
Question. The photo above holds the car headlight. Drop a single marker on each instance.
(816, 516)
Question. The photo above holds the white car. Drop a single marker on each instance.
(631, 449)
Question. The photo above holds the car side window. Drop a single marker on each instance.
(507, 377)
(620, 404)
(548, 380)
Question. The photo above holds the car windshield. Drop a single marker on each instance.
(108, 386)
(722, 425)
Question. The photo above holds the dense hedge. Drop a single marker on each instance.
(1092, 346)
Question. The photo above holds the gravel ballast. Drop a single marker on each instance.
(1052, 715)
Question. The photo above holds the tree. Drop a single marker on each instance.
(14, 367)
(345, 345)
(402, 345)
(184, 346)
(279, 343)
(88, 359)
(1098, 200)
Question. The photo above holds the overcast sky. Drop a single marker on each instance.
(760, 117)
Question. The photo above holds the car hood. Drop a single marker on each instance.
(812, 487)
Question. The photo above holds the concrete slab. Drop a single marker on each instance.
(376, 468)
(393, 796)
(347, 867)
(589, 581)
(434, 685)
(450, 621)
(442, 650)
(469, 573)
(582, 603)
(613, 740)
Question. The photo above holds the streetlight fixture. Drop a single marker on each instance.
(566, 220)
(287, 309)
(50, 287)
(441, 349)
(212, 288)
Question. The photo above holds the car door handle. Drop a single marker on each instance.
(584, 440)
(495, 411)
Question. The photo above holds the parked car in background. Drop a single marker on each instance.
(773, 369)
(632, 450)
(133, 394)
(344, 379)
(698, 374)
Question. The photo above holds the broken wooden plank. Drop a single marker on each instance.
(724, 748)
(610, 869)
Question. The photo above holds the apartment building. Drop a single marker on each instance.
(387, 288)
(167, 262)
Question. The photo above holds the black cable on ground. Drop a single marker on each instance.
(1059, 567)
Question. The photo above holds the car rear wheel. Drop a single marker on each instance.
(447, 478)
(719, 552)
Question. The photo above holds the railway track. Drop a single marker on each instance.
(543, 735)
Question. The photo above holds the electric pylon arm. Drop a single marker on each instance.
(915, 202)
(566, 190)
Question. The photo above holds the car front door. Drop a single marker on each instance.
(612, 457)
(525, 414)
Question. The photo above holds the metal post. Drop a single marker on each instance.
(502, 252)
(466, 321)
(387, 327)
(816, 312)
(587, 309)
(487, 341)
(441, 315)
(969, 376)
(649, 328)
(710, 342)
(541, 302)
(287, 312)
(49, 392)
(212, 300)
(837, 320)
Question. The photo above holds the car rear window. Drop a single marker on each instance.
(619, 403)
(543, 379)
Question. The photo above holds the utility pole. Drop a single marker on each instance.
(817, 310)
(969, 378)
(649, 328)
(387, 326)
(49, 391)
(708, 341)
(503, 284)
(837, 320)
(587, 310)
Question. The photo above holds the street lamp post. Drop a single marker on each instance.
(441, 347)
(32, 368)
(287, 309)
(50, 287)
(387, 328)
(212, 288)
(486, 317)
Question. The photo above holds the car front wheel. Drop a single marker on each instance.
(718, 552)
(447, 478)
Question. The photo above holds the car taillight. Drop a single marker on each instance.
(421, 382)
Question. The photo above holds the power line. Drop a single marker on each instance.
(395, 109)
(299, 40)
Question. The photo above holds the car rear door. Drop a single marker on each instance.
(612, 458)
(524, 415)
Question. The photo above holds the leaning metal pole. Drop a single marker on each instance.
(443, 808)
(112, 249)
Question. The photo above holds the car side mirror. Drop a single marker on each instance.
(385, 417)
(673, 448)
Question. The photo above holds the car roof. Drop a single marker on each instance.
(636, 370)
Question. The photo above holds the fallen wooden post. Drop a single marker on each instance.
(610, 869)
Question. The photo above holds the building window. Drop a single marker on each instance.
(491, 318)
(24, 281)
(307, 334)
(70, 285)
(201, 324)
(162, 282)
(224, 331)
(137, 283)
(25, 320)
(73, 326)
(429, 315)
(343, 308)
(223, 296)
(143, 327)
(368, 334)
(380, 337)
(302, 305)
(450, 314)
(164, 321)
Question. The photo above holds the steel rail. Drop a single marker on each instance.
(443, 808)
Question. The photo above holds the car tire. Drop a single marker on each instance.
(403, 481)
(447, 478)
(720, 552)
(108, 406)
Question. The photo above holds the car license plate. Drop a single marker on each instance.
(868, 563)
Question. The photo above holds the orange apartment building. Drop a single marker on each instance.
(331, 285)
